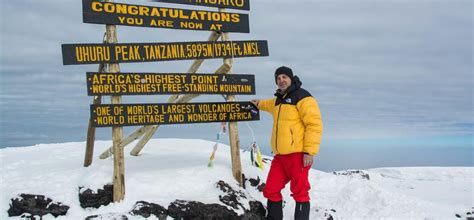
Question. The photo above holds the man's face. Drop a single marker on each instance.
(283, 82)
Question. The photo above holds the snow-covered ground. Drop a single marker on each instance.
(170, 169)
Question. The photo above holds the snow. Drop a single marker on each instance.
(170, 169)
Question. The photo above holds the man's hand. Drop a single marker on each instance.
(255, 101)
(307, 160)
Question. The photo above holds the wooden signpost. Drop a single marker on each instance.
(168, 83)
(97, 12)
(231, 4)
(176, 113)
(183, 87)
(75, 54)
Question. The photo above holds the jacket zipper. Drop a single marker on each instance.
(276, 135)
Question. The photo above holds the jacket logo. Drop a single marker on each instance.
(288, 100)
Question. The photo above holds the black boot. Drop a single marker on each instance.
(274, 210)
(302, 211)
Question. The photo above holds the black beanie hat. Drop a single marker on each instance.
(284, 70)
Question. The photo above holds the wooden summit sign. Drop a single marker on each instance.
(168, 83)
(97, 12)
(233, 4)
(74, 54)
(159, 114)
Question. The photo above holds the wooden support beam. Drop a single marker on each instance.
(146, 137)
(233, 128)
(117, 132)
(129, 139)
(91, 130)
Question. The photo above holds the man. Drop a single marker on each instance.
(296, 135)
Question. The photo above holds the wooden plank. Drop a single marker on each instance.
(232, 4)
(126, 141)
(110, 115)
(134, 83)
(117, 132)
(91, 131)
(97, 12)
(77, 54)
(146, 137)
(233, 128)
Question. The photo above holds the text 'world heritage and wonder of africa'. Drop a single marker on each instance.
(158, 114)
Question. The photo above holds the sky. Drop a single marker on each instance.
(385, 73)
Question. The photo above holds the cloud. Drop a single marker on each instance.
(379, 69)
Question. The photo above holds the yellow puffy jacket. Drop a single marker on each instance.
(297, 125)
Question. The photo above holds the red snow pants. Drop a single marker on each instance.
(284, 169)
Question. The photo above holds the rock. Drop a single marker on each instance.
(146, 209)
(353, 173)
(88, 198)
(324, 213)
(254, 182)
(231, 196)
(181, 209)
(108, 216)
(260, 187)
(244, 180)
(257, 211)
(30, 216)
(36, 205)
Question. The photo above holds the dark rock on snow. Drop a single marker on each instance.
(146, 209)
(108, 216)
(36, 205)
(181, 209)
(231, 196)
(244, 180)
(30, 206)
(353, 173)
(254, 182)
(234, 197)
(260, 187)
(327, 214)
(257, 211)
(88, 198)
